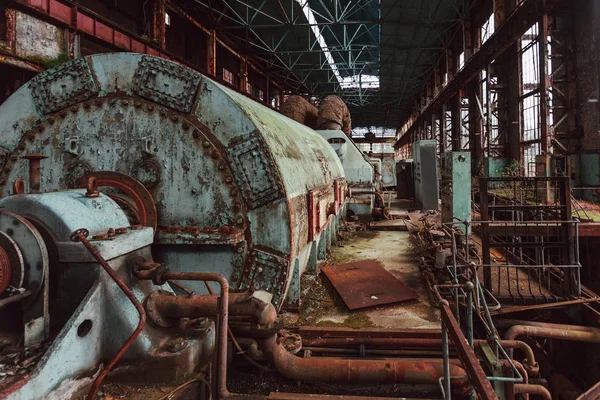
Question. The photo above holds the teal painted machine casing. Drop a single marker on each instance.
(456, 187)
(426, 174)
(214, 161)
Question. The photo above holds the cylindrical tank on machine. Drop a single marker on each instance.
(239, 189)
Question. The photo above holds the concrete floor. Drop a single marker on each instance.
(392, 250)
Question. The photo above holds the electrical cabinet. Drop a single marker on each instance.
(426, 174)
(456, 186)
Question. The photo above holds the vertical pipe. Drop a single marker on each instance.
(469, 289)
(80, 235)
(446, 356)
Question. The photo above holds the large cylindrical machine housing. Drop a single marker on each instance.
(239, 188)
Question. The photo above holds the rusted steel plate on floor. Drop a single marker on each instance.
(363, 284)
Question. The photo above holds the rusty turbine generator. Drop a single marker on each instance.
(125, 174)
(124, 160)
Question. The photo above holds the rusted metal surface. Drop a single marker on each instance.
(555, 331)
(87, 22)
(166, 307)
(311, 332)
(477, 376)
(592, 393)
(223, 310)
(515, 309)
(366, 283)
(16, 62)
(5, 269)
(325, 369)
(12, 267)
(225, 235)
(81, 236)
(334, 114)
(415, 342)
(589, 229)
(145, 207)
(533, 389)
(300, 110)
(37, 39)
(547, 264)
(34, 171)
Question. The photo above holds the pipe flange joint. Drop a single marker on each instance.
(157, 276)
(152, 313)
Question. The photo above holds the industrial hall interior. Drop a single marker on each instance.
(300, 199)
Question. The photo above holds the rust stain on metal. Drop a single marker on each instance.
(363, 284)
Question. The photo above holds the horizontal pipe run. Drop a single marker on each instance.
(428, 343)
(328, 369)
(197, 306)
(331, 332)
(590, 335)
(507, 323)
(417, 353)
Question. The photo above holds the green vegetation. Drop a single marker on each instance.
(48, 63)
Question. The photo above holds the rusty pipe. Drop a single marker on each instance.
(565, 332)
(329, 369)
(529, 361)
(170, 306)
(592, 393)
(223, 308)
(522, 371)
(507, 323)
(34, 171)
(532, 389)
(81, 236)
